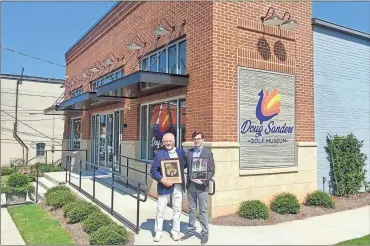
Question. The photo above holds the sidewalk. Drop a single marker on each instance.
(322, 230)
(9, 232)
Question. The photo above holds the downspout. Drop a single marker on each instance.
(24, 146)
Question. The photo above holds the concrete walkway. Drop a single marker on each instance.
(323, 230)
(9, 232)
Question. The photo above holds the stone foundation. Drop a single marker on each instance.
(234, 186)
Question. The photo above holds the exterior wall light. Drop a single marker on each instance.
(161, 30)
(288, 24)
(84, 76)
(95, 69)
(108, 62)
(272, 20)
(135, 46)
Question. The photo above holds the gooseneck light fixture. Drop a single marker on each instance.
(288, 24)
(272, 20)
(135, 46)
(95, 69)
(160, 30)
(108, 61)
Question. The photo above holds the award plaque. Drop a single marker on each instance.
(199, 168)
(171, 170)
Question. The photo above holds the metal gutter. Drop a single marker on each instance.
(336, 27)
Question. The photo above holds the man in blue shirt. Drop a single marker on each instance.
(165, 188)
(198, 189)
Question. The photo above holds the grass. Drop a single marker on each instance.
(37, 227)
(365, 240)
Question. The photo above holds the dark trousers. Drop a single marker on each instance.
(201, 197)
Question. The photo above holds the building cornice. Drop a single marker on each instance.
(32, 78)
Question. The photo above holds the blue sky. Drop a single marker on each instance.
(48, 29)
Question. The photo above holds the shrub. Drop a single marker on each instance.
(71, 205)
(320, 199)
(7, 171)
(45, 168)
(80, 211)
(285, 203)
(253, 210)
(110, 235)
(18, 182)
(347, 163)
(95, 221)
(56, 188)
(59, 198)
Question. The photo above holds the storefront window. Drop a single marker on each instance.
(75, 134)
(171, 59)
(159, 119)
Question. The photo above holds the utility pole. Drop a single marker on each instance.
(52, 147)
(15, 135)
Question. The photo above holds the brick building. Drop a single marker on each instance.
(216, 72)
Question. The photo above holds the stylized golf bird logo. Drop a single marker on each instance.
(268, 105)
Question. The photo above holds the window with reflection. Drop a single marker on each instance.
(158, 119)
(75, 136)
(171, 59)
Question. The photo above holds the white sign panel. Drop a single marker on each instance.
(266, 119)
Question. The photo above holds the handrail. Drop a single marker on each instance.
(65, 150)
(138, 197)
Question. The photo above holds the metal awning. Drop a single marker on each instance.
(53, 110)
(131, 84)
(82, 102)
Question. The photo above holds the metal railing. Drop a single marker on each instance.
(63, 150)
(146, 163)
(140, 191)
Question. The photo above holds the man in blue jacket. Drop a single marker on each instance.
(165, 188)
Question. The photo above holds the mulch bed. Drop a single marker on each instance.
(341, 204)
(76, 230)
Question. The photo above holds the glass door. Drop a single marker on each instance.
(109, 141)
(102, 140)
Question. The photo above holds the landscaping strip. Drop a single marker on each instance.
(365, 240)
(37, 227)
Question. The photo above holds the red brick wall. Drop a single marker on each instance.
(140, 19)
(219, 37)
(240, 39)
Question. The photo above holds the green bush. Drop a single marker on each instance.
(59, 198)
(7, 171)
(80, 211)
(253, 210)
(56, 188)
(110, 235)
(347, 163)
(69, 206)
(285, 203)
(96, 220)
(320, 199)
(18, 182)
(45, 168)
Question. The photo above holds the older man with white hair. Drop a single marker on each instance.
(165, 188)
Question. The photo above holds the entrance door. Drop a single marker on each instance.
(106, 134)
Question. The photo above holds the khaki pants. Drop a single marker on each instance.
(161, 208)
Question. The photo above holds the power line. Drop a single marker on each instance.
(27, 94)
(34, 57)
(26, 133)
(31, 127)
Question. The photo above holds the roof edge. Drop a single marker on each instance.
(336, 27)
(32, 78)
(92, 27)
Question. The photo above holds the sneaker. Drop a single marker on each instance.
(187, 236)
(176, 237)
(157, 237)
(204, 239)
